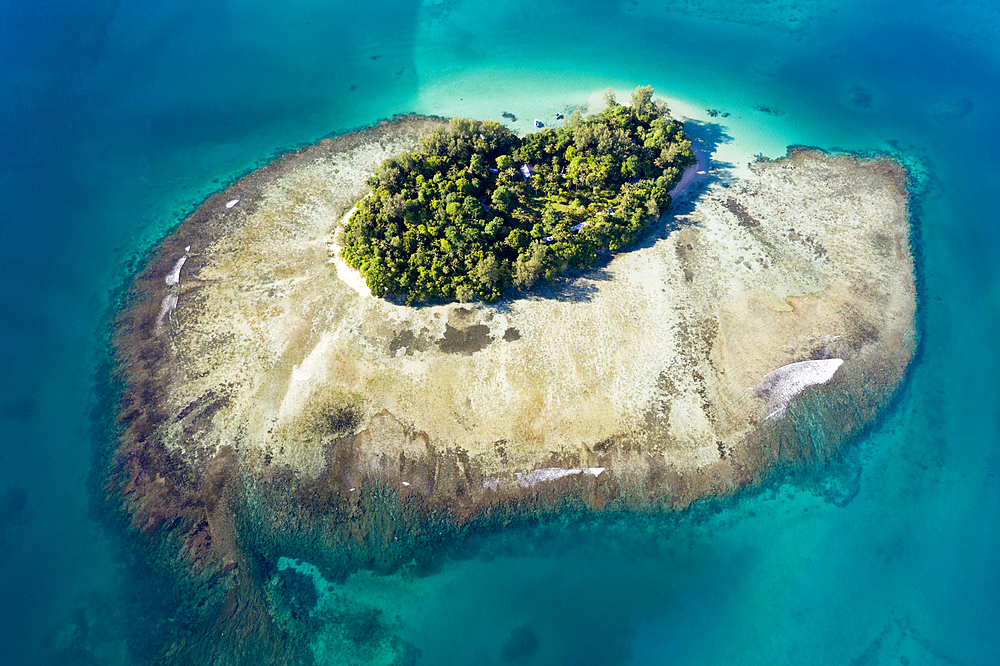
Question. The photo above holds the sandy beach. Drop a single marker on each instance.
(349, 276)
(693, 175)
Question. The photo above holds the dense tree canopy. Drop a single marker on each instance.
(477, 208)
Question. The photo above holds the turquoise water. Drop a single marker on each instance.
(119, 117)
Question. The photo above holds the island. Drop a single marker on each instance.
(271, 408)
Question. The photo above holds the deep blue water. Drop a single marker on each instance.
(117, 117)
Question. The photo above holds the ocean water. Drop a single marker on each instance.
(118, 117)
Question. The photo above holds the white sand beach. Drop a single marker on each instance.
(693, 175)
(349, 276)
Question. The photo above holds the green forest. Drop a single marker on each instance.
(477, 208)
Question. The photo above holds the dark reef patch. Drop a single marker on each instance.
(411, 342)
(465, 341)
(861, 98)
(742, 215)
(520, 646)
(22, 409)
(769, 110)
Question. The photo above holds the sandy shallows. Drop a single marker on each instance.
(768, 325)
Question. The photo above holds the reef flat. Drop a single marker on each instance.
(271, 410)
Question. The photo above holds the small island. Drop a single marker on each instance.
(478, 208)
(269, 412)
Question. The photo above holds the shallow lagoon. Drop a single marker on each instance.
(122, 117)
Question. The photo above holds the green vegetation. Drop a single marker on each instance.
(460, 220)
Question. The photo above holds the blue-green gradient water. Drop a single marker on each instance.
(118, 116)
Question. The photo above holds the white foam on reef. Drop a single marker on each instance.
(232, 202)
(529, 479)
(781, 385)
(167, 306)
(175, 275)
(491, 483)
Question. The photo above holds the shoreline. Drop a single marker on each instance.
(693, 176)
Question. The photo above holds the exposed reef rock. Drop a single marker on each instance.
(269, 409)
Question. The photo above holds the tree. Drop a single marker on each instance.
(609, 98)
(530, 266)
(630, 168)
(388, 175)
(394, 205)
(495, 230)
(611, 140)
(435, 143)
(464, 294)
(495, 138)
(462, 128)
(503, 199)
(377, 276)
(642, 98)
(518, 239)
(488, 272)
(477, 165)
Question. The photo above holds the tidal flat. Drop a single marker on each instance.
(270, 410)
